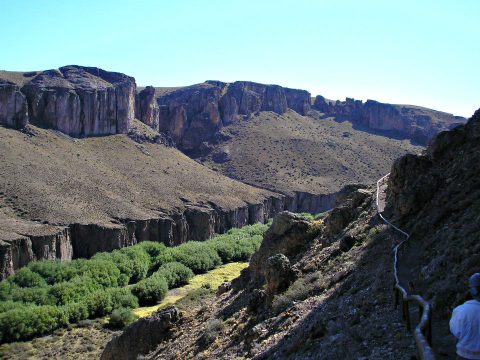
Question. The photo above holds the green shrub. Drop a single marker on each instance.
(99, 303)
(150, 291)
(53, 271)
(25, 277)
(25, 323)
(10, 305)
(122, 298)
(73, 290)
(175, 273)
(133, 262)
(240, 249)
(121, 318)
(35, 295)
(76, 312)
(102, 272)
(213, 329)
(197, 256)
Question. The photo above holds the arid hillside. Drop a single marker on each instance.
(293, 153)
(64, 197)
(322, 287)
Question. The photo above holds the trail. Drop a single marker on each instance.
(406, 261)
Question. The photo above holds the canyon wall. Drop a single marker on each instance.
(403, 121)
(78, 101)
(196, 222)
(194, 115)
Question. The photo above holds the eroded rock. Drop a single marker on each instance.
(143, 335)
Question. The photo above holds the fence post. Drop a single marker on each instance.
(407, 315)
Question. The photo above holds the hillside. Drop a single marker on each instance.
(102, 193)
(291, 153)
(321, 288)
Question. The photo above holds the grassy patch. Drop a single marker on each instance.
(212, 279)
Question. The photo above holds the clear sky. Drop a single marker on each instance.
(422, 52)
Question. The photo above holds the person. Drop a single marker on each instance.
(465, 323)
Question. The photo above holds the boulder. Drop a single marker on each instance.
(288, 235)
(278, 275)
(142, 336)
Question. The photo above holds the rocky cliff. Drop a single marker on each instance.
(436, 197)
(404, 121)
(78, 101)
(195, 114)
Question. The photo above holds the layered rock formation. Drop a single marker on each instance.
(13, 105)
(404, 121)
(78, 101)
(195, 114)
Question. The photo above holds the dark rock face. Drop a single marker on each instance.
(146, 108)
(416, 179)
(13, 106)
(287, 235)
(404, 121)
(190, 115)
(195, 115)
(195, 222)
(143, 335)
(78, 101)
(45, 243)
(278, 275)
(435, 197)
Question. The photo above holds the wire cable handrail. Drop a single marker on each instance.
(423, 331)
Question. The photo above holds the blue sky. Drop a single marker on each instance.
(421, 52)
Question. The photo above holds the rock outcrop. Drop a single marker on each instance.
(287, 235)
(143, 335)
(403, 121)
(23, 241)
(435, 197)
(78, 101)
(13, 106)
(195, 114)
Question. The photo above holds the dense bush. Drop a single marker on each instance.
(122, 298)
(150, 291)
(121, 317)
(73, 290)
(36, 295)
(197, 256)
(27, 278)
(175, 273)
(236, 249)
(25, 323)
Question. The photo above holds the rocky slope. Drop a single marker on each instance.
(78, 101)
(314, 290)
(401, 121)
(322, 289)
(436, 197)
(306, 158)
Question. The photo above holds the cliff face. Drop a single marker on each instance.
(195, 114)
(13, 105)
(78, 101)
(436, 198)
(404, 121)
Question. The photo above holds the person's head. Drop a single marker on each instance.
(474, 285)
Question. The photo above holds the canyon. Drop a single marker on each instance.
(81, 174)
